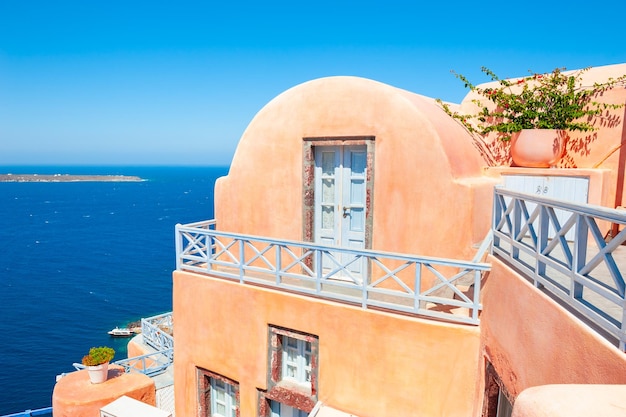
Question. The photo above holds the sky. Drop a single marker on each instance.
(176, 83)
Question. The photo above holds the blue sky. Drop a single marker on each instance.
(176, 83)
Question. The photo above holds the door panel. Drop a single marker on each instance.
(340, 194)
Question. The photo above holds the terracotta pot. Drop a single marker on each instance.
(537, 148)
(99, 373)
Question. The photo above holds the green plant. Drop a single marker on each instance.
(556, 100)
(98, 356)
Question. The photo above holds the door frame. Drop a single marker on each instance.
(308, 181)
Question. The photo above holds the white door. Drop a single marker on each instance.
(340, 196)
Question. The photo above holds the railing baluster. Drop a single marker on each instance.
(418, 287)
(242, 260)
(318, 270)
(278, 266)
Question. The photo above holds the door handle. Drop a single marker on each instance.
(346, 212)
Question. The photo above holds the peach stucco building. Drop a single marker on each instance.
(347, 270)
(417, 185)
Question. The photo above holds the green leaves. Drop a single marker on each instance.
(98, 356)
(539, 101)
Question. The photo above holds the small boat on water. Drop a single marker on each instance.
(121, 332)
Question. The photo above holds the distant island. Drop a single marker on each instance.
(66, 178)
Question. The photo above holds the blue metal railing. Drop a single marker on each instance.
(157, 332)
(561, 248)
(435, 287)
(151, 364)
(41, 412)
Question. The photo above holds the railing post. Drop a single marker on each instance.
(516, 227)
(418, 287)
(242, 254)
(318, 270)
(476, 296)
(365, 293)
(580, 256)
(278, 265)
(542, 241)
(178, 239)
(496, 217)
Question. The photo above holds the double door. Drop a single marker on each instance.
(340, 206)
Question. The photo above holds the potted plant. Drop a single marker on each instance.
(551, 104)
(97, 363)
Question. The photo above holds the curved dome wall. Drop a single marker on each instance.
(427, 186)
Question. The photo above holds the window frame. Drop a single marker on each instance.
(207, 394)
(300, 395)
(301, 364)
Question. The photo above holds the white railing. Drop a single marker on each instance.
(150, 364)
(434, 287)
(157, 332)
(584, 272)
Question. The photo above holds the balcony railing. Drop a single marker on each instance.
(434, 287)
(41, 412)
(157, 331)
(151, 364)
(560, 247)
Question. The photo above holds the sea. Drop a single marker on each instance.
(80, 258)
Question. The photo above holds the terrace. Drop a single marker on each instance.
(529, 233)
(394, 281)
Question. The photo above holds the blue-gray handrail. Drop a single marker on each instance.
(40, 412)
(150, 364)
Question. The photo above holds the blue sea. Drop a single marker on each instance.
(78, 259)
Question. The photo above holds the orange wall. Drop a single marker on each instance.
(423, 201)
(531, 340)
(418, 367)
(75, 396)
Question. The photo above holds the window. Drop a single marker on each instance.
(293, 360)
(497, 402)
(296, 360)
(292, 380)
(219, 395)
(282, 410)
(223, 399)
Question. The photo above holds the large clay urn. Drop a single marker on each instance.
(537, 148)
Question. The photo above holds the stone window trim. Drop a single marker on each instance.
(308, 181)
(286, 397)
(287, 392)
(204, 377)
(493, 387)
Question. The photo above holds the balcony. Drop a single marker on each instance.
(560, 247)
(431, 287)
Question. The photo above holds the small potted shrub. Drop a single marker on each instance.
(97, 363)
(551, 105)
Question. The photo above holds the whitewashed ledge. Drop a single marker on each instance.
(67, 178)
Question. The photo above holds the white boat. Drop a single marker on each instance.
(121, 332)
